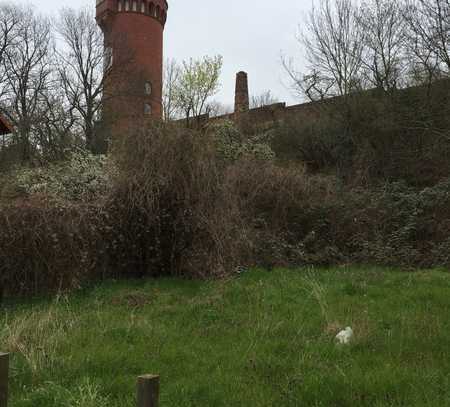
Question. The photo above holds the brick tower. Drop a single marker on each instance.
(241, 101)
(133, 31)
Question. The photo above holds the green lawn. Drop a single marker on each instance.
(261, 339)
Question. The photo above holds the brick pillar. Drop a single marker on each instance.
(241, 101)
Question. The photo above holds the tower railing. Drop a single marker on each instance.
(142, 6)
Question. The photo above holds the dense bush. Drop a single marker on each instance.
(174, 206)
(315, 143)
(49, 245)
(167, 213)
(392, 226)
(82, 177)
(232, 144)
(172, 214)
(372, 138)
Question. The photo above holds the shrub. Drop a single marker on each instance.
(172, 214)
(83, 177)
(373, 138)
(280, 206)
(297, 219)
(318, 144)
(177, 207)
(49, 245)
(167, 214)
(232, 144)
(390, 226)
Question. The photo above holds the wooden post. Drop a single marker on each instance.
(4, 373)
(147, 391)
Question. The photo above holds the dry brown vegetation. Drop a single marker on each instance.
(176, 207)
(171, 207)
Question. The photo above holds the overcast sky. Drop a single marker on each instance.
(251, 35)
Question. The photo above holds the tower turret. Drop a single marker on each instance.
(133, 31)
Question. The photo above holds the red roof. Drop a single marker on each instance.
(5, 126)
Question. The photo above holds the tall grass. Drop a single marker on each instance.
(37, 335)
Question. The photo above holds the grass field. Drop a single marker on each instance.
(261, 339)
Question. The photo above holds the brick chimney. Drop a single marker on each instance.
(241, 101)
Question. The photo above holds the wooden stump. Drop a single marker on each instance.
(147, 391)
(4, 374)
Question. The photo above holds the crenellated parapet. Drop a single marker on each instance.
(156, 9)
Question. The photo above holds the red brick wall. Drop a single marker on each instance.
(266, 116)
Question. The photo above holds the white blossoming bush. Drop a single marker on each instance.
(83, 177)
(233, 145)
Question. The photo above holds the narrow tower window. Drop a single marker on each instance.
(120, 6)
(157, 11)
(107, 58)
(148, 88)
(147, 109)
(134, 5)
(143, 6)
(152, 9)
(127, 5)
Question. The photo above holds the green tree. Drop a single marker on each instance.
(197, 82)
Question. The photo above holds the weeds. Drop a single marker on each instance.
(37, 335)
(317, 291)
(88, 394)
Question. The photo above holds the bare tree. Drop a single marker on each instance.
(81, 67)
(313, 85)
(197, 83)
(384, 26)
(57, 132)
(334, 44)
(171, 75)
(264, 99)
(217, 108)
(27, 72)
(428, 38)
(9, 21)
